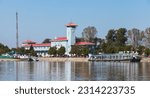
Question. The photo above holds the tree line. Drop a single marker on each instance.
(54, 51)
(116, 40)
(126, 40)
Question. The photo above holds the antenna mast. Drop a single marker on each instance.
(17, 41)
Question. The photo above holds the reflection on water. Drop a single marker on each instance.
(74, 71)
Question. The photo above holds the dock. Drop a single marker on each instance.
(131, 57)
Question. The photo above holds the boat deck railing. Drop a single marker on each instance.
(113, 57)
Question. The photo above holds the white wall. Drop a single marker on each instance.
(58, 44)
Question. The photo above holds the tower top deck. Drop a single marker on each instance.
(71, 24)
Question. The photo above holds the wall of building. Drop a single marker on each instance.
(71, 38)
(41, 48)
(59, 44)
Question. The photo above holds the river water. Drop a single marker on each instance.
(74, 71)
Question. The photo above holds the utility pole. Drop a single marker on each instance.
(17, 41)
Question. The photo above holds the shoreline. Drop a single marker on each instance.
(9, 59)
(53, 59)
(145, 60)
(61, 59)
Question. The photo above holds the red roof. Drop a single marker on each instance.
(71, 24)
(84, 43)
(38, 45)
(60, 39)
(28, 41)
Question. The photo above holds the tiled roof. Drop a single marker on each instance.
(84, 43)
(60, 39)
(38, 45)
(71, 24)
(28, 41)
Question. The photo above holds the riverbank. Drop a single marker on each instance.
(145, 59)
(9, 59)
(53, 59)
(61, 59)
(79, 59)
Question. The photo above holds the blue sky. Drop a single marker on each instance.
(40, 19)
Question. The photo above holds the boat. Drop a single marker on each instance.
(33, 59)
(125, 57)
(135, 59)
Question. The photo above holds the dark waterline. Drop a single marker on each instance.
(74, 71)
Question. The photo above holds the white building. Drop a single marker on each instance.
(41, 49)
(67, 42)
(59, 41)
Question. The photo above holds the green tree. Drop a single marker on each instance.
(73, 49)
(20, 50)
(107, 48)
(104, 47)
(52, 51)
(85, 51)
(111, 36)
(79, 50)
(121, 37)
(128, 47)
(98, 41)
(89, 33)
(47, 40)
(115, 41)
(99, 49)
(110, 49)
(3, 49)
(61, 51)
(147, 52)
(140, 50)
(31, 51)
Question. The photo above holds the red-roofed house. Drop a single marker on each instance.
(59, 41)
(41, 49)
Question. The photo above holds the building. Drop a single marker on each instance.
(67, 42)
(41, 49)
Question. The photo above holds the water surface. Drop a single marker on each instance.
(74, 71)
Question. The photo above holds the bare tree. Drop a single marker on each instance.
(135, 37)
(147, 36)
(89, 33)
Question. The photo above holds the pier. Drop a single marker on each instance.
(121, 56)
